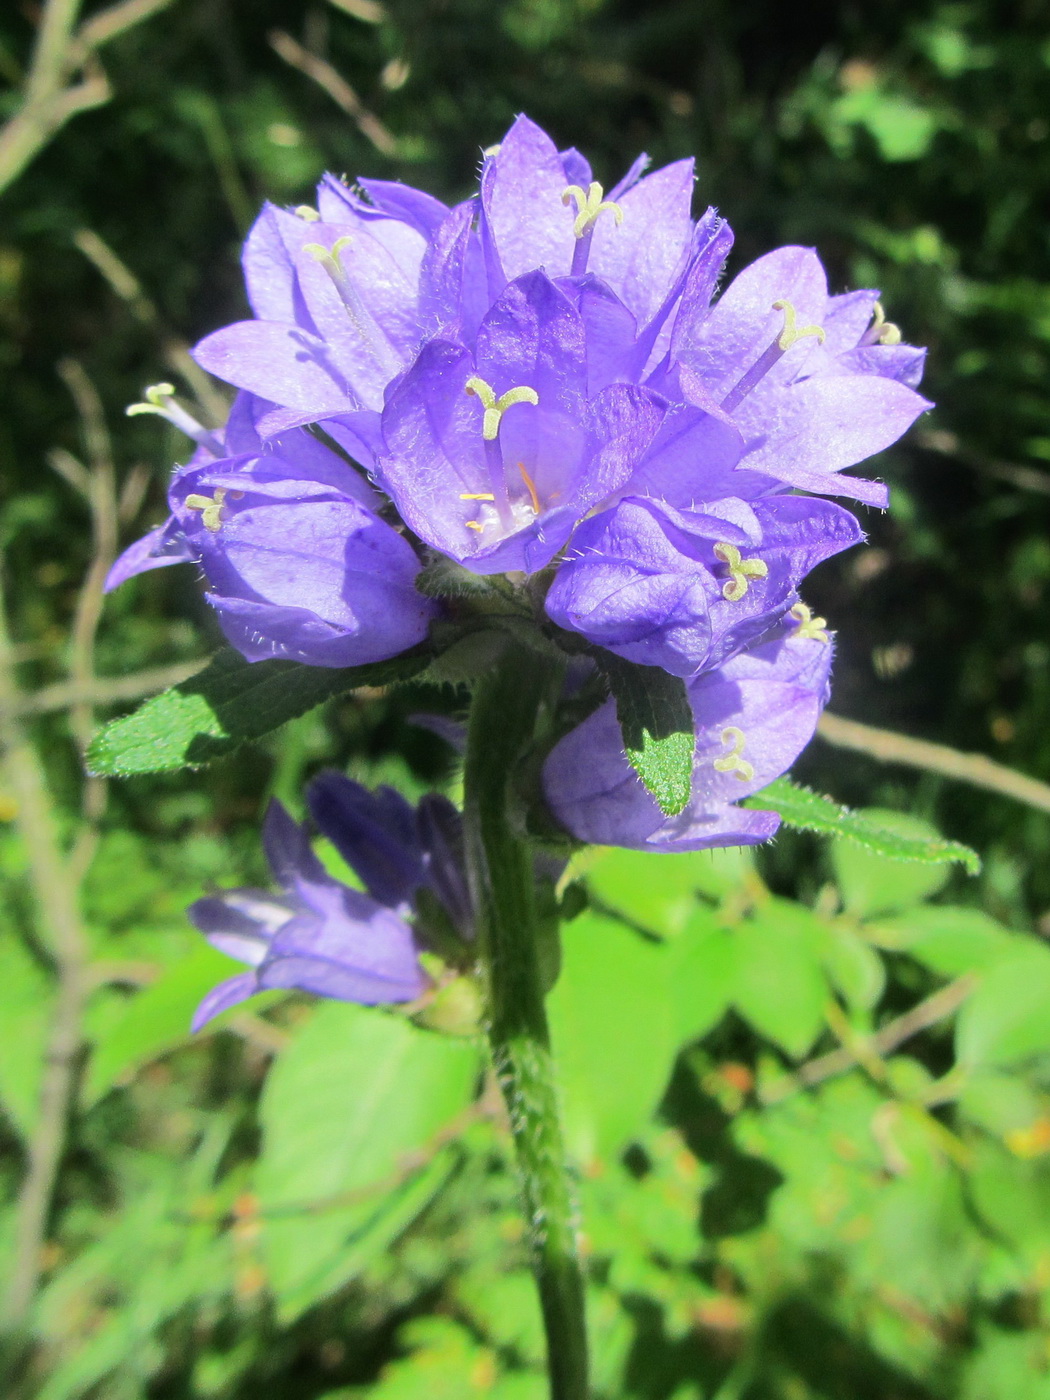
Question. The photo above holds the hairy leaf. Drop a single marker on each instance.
(657, 725)
(808, 811)
(230, 701)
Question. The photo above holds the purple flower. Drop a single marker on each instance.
(495, 453)
(318, 935)
(813, 386)
(298, 563)
(754, 716)
(541, 208)
(395, 848)
(686, 590)
(540, 378)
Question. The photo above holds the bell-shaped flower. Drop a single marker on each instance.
(336, 305)
(686, 590)
(493, 454)
(813, 385)
(395, 848)
(541, 208)
(753, 717)
(317, 935)
(298, 563)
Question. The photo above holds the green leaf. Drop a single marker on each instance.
(1000, 1103)
(854, 967)
(703, 964)
(656, 721)
(156, 1020)
(807, 811)
(227, 703)
(351, 1107)
(779, 983)
(445, 1362)
(1007, 1019)
(613, 1031)
(872, 885)
(658, 890)
(946, 938)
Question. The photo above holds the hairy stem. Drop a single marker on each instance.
(503, 720)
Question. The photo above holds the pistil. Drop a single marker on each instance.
(769, 357)
(495, 408)
(881, 331)
(589, 205)
(733, 762)
(159, 400)
(741, 571)
(355, 308)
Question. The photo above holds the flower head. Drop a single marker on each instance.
(318, 934)
(540, 382)
(686, 590)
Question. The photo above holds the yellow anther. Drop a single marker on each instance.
(303, 211)
(589, 204)
(156, 396)
(531, 485)
(210, 507)
(808, 625)
(475, 525)
(791, 332)
(477, 496)
(742, 571)
(490, 151)
(495, 407)
(732, 762)
(885, 332)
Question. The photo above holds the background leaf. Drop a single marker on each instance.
(871, 884)
(1007, 1019)
(155, 1020)
(779, 984)
(613, 1032)
(354, 1101)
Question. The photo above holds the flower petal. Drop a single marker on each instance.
(281, 363)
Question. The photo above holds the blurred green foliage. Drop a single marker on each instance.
(808, 1096)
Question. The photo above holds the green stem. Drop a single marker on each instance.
(502, 723)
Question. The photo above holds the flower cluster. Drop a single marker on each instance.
(318, 934)
(540, 382)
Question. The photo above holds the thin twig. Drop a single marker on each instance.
(48, 67)
(927, 1013)
(55, 897)
(55, 876)
(103, 690)
(946, 443)
(102, 502)
(71, 470)
(129, 289)
(25, 134)
(974, 768)
(110, 24)
(321, 72)
(368, 11)
(47, 103)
